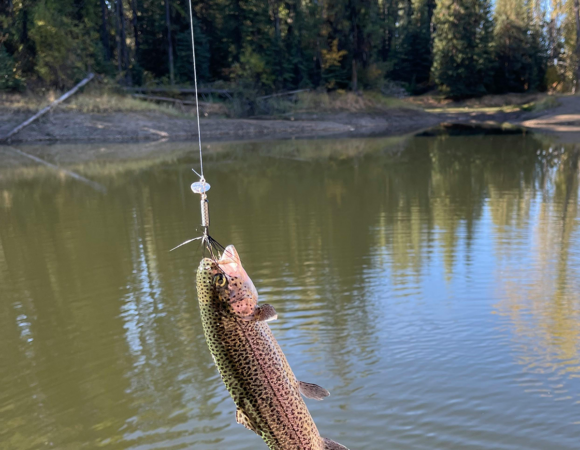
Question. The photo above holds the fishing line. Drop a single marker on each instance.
(201, 178)
(201, 186)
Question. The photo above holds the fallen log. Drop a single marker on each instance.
(162, 99)
(43, 111)
(223, 92)
(281, 94)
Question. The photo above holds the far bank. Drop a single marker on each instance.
(94, 118)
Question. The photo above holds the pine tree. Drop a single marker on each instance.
(461, 62)
(520, 57)
(8, 79)
(413, 58)
(295, 69)
(184, 58)
(153, 44)
(286, 44)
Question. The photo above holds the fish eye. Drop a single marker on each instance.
(219, 280)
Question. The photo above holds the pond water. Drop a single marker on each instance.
(431, 284)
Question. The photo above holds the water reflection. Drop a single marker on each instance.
(384, 257)
(543, 302)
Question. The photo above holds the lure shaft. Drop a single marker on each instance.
(204, 212)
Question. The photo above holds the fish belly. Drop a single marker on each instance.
(260, 381)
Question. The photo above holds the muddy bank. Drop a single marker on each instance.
(69, 126)
(562, 122)
(66, 126)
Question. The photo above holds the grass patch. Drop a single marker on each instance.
(23, 102)
(548, 102)
(488, 104)
(342, 101)
(105, 100)
(90, 101)
(110, 102)
(249, 104)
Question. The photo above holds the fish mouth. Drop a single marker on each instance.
(230, 264)
(229, 256)
(224, 260)
(240, 292)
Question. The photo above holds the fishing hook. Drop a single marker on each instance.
(201, 187)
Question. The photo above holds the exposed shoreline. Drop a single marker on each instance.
(65, 126)
(75, 127)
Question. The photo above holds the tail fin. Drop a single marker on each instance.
(331, 445)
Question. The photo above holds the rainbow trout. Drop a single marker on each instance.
(250, 361)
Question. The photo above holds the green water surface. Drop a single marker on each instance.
(431, 284)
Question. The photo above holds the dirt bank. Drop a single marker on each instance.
(66, 126)
(71, 126)
(562, 122)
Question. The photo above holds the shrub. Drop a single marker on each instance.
(9, 81)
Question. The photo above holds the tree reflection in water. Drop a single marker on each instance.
(347, 238)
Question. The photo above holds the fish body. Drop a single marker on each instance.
(250, 361)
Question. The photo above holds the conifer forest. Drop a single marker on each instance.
(463, 48)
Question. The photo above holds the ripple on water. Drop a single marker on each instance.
(433, 290)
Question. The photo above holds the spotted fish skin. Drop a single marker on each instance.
(250, 361)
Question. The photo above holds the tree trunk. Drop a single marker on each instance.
(46, 109)
(119, 40)
(354, 76)
(105, 31)
(6, 8)
(28, 51)
(279, 52)
(355, 49)
(577, 49)
(293, 39)
(169, 43)
(123, 51)
(135, 29)
(385, 32)
(236, 27)
(276, 11)
(318, 73)
(124, 48)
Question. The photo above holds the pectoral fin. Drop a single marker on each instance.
(313, 391)
(243, 419)
(263, 313)
(331, 445)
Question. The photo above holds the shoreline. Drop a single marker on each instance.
(60, 127)
(73, 127)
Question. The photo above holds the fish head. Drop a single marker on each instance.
(227, 278)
